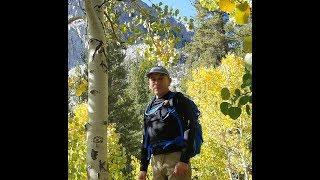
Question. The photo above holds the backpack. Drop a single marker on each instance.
(198, 139)
(180, 140)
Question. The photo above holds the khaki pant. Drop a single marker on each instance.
(163, 167)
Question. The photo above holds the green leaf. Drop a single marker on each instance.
(165, 10)
(160, 10)
(170, 11)
(225, 94)
(160, 3)
(237, 93)
(124, 28)
(247, 79)
(177, 40)
(185, 18)
(224, 106)
(248, 82)
(176, 12)
(248, 109)
(136, 31)
(130, 40)
(234, 112)
(243, 100)
(177, 29)
(191, 26)
(167, 25)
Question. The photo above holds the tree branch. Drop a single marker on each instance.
(100, 48)
(100, 45)
(99, 6)
(149, 21)
(75, 18)
(112, 27)
(83, 10)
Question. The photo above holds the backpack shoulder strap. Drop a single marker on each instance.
(177, 102)
(146, 137)
(149, 105)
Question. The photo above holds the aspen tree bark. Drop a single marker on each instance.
(97, 92)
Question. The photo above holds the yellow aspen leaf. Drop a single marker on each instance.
(247, 44)
(242, 13)
(78, 92)
(81, 89)
(70, 82)
(158, 52)
(209, 4)
(123, 28)
(227, 5)
(205, 87)
(81, 114)
(85, 82)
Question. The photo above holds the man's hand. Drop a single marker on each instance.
(142, 175)
(180, 168)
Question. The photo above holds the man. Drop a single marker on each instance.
(169, 160)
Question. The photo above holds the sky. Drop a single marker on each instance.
(185, 7)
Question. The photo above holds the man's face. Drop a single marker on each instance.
(159, 83)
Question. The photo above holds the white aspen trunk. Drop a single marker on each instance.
(97, 93)
(227, 151)
(241, 153)
(229, 165)
(244, 165)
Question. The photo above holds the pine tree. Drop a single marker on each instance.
(209, 43)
